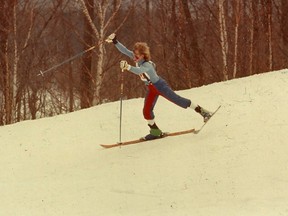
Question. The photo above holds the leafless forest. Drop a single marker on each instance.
(192, 42)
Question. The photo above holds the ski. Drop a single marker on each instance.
(198, 131)
(166, 134)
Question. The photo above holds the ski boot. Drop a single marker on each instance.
(204, 113)
(155, 133)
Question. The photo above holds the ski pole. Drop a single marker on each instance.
(121, 99)
(70, 59)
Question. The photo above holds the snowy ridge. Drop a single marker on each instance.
(238, 165)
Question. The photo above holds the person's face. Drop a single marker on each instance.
(137, 56)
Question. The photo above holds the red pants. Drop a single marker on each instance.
(150, 101)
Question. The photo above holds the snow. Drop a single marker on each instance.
(238, 164)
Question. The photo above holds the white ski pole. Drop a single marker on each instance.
(70, 59)
(121, 99)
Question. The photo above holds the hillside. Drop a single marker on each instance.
(237, 165)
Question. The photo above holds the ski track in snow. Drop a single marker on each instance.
(237, 165)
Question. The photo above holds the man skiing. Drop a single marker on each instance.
(156, 85)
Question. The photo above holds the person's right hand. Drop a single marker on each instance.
(124, 65)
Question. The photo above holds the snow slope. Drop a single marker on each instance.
(238, 165)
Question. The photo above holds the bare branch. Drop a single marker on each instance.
(112, 17)
(88, 17)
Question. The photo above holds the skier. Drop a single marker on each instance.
(156, 86)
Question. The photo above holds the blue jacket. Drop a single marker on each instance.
(145, 69)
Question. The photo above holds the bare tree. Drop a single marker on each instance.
(252, 12)
(148, 15)
(223, 38)
(86, 88)
(6, 28)
(99, 9)
(193, 46)
(238, 15)
(284, 27)
(268, 23)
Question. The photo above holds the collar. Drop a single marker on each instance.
(141, 62)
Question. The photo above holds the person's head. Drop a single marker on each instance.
(141, 51)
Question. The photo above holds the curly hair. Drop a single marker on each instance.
(143, 49)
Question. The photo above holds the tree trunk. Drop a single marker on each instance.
(99, 70)
(86, 86)
(284, 22)
(16, 59)
(175, 37)
(238, 10)
(195, 57)
(148, 17)
(267, 22)
(96, 62)
(223, 38)
(6, 76)
(252, 31)
(269, 34)
(71, 89)
(32, 101)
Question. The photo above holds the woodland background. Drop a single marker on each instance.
(192, 42)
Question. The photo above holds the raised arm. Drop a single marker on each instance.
(119, 46)
(124, 50)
